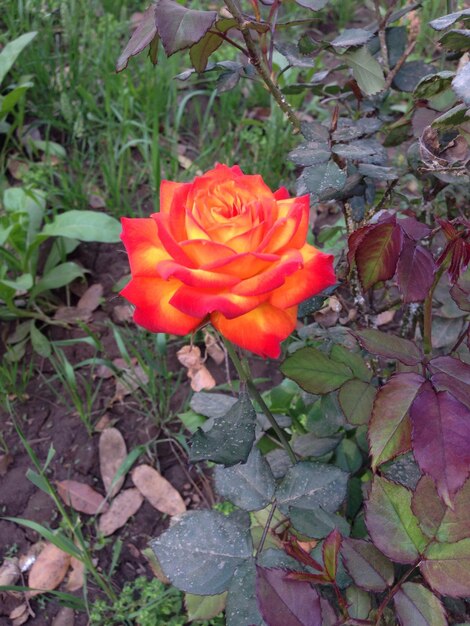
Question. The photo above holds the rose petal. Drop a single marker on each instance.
(272, 278)
(145, 250)
(281, 194)
(172, 193)
(199, 303)
(200, 252)
(260, 330)
(243, 265)
(289, 231)
(201, 279)
(316, 275)
(171, 245)
(151, 297)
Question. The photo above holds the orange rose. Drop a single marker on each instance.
(224, 249)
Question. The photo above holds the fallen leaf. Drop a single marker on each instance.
(5, 461)
(214, 349)
(25, 562)
(384, 318)
(17, 168)
(122, 313)
(9, 572)
(112, 452)
(157, 490)
(91, 299)
(201, 379)
(103, 423)
(21, 614)
(65, 617)
(77, 572)
(130, 380)
(96, 202)
(72, 315)
(81, 497)
(103, 371)
(190, 357)
(124, 506)
(48, 570)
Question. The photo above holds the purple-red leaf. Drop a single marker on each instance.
(390, 427)
(295, 550)
(389, 346)
(441, 439)
(366, 565)
(141, 38)
(414, 229)
(283, 601)
(330, 550)
(449, 374)
(415, 271)
(179, 27)
(377, 254)
(446, 568)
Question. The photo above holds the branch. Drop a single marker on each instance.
(399, 63)
(260, 67)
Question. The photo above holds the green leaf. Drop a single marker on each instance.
(378, 171)
(417, 606)
(11, 51)
(229, 439)
(348, 456)
(40, 342)
(250, 485)
(8, 103)
(453, 117)
(323, 180)
(352, 37)
(309, 485)
(367, 71)
(441, 23)
(461, 84)
(433, 84)
(201, 51)
(456, 40)
(315, 372)
(317, 523)
(57, 277)
(410, 74)
(389, 346)
(242, 607)
(313, 5)
(353, 360)
(391, 523)
(363, 150)
(446, 568)
(325, 417)
(366, 565)
(179, 27)
(356, 398)
(390, 426)
(84, 226)
(51, 148)
(359, 602)
(201, 552)
(22, 283)
(201, 608)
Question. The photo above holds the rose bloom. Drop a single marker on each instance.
(224, 249)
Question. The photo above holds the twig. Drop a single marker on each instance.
(461, 337)
(230, 41)
(387, 193)
(382, 22)
(409, 49)
(266, 528)
(260, 67)
(393, 591)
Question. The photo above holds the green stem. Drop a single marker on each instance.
(243, 370)
(427, 313)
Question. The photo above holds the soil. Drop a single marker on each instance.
(47, 421)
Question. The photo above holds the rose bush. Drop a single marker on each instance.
(224, 249)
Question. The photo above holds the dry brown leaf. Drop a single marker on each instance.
(112, 451)
(201, 379)
(214, 349)
(9, 572)
(65, 617)
(384, 318)
(21, 614)
(91, 299)
(81, 497)
(190, 357)
(17, 168)
(72, 315)
(130, 380)
(26, 561)
(124, 506)
(122, 313)
(48, 570)
(5, 461)
(103, 423)
(157, 490)
(75, 579)
(96, 202)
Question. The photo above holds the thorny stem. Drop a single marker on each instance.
(427, 313)
(393, 591)
(383, 42)
(243, 370)
(230, 41)
(232, 6)
(461, 337)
